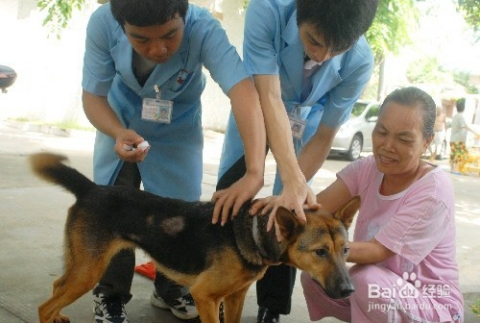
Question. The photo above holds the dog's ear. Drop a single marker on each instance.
(348, 211)
(288, 223)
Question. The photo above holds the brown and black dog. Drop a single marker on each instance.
(218, 263)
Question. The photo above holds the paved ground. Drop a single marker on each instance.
(33, 215)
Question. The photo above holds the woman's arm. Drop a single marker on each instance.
(472, 131)
(334, 196)
(361, 252)
(368, 252)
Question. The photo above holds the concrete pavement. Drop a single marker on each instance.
(33, 215)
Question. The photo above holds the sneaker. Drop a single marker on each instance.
(109, 309)
(183, 307)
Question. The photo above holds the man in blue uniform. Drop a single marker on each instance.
(310, 63)
(142, 81)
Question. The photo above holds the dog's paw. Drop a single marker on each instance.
(61, 319)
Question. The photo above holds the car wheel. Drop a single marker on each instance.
(355, 148)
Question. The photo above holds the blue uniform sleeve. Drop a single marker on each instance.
(259, 52)
(356, 71)
(98, 65)
(218, 55)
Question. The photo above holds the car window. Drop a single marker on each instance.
(358, 108)
(373, 112)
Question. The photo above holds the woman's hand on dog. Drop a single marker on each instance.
(229, 201)
(129, 138)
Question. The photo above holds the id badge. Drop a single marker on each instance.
(298, 127)
(157, 110)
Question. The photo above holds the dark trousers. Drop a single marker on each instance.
(117, 279)
(275, 289)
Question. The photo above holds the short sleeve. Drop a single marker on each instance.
(417, 227)
(261, 22)
(358, 175)
(98, 67)
(218, 55)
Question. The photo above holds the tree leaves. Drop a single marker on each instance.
(59, 13)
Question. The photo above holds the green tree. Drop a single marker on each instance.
(470, 9)
(394, 22)
(427, 69)
(59, 13)
(391, 29)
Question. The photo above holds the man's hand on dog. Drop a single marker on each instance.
(229, 201)
(127, 140)
(295, 197)
(271, 204)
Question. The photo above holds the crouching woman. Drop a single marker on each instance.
(404, 239)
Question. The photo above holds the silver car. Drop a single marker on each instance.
(355, 135)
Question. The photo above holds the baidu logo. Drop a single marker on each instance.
(401, 288)
(407, 287)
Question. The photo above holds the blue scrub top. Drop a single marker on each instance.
(173, 166)
(272, 46)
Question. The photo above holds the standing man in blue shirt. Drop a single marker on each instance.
(143, 81)
(310, 63)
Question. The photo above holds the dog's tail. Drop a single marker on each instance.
(50, 167)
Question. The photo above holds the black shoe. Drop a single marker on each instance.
(267, 316)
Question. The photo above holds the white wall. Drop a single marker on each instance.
(48, 86)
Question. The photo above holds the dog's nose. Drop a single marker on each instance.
(346, 292)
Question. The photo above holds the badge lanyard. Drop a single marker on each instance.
(157, 110)
(297, 124)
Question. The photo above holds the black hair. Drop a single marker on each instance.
(143, 13)
(416, 98)
(460, 104)
(341, 22)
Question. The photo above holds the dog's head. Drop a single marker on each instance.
(320, 246)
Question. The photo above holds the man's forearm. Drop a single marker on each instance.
(101, 115)
(250, 122)
(313, 156)
(279, 134)
(316, 151)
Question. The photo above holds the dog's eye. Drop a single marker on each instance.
(321, 252)
(345, 250)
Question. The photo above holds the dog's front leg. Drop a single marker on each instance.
(234, 306)
(208, 310)
(208, 306)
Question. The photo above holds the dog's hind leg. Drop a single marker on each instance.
(80, 276)
(76, 281)
(82, 271)
(234, 305)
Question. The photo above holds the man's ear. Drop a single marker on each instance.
(348, 211)
(288, 223)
